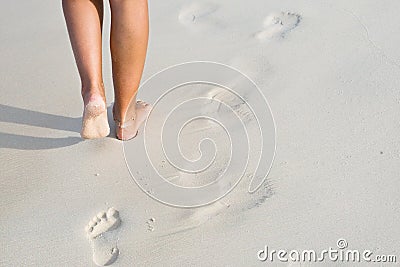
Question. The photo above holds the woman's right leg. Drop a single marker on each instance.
(84, 19)
(128, 43)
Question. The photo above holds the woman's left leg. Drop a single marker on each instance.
(84, 19)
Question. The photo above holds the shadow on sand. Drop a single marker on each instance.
(38, 119)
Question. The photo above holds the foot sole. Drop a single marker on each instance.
(95, 121)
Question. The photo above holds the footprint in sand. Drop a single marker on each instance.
(193, 218)
(102, 238)
(199, 15)
(278, 25)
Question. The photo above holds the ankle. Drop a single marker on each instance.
(92, 94)
(92, 87)
(122, 114)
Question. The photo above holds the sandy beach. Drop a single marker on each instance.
(330, 72)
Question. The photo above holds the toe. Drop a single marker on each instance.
(112, 213)
(101, 215)
(94, 222)
(96, 219)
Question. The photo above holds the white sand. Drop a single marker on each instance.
(331, 76)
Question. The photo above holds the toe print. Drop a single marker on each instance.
(103, 222)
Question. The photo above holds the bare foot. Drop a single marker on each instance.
(94, 120)
(129, 129)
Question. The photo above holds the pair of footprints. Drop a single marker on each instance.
(275, 25)
(100, 233)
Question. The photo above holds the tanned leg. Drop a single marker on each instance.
(84, 19)
(129, 37)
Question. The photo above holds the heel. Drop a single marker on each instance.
(95, 121)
